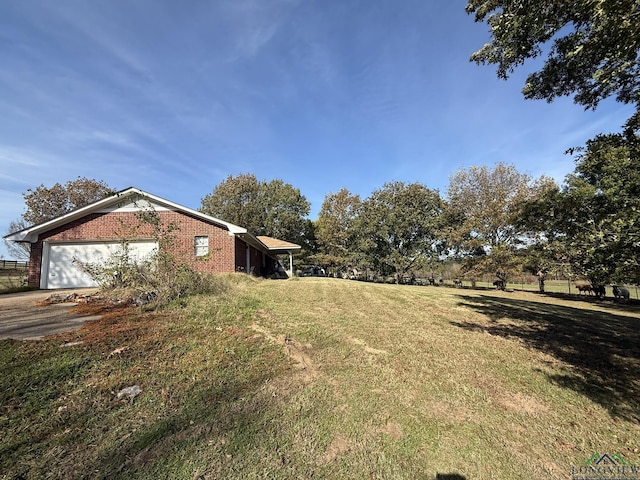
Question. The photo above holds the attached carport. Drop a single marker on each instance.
(280, 247)
(269, 248)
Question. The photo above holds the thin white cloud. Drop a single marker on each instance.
(18, 162)
(112, 139)
(12, 207)
(95, 26)
(254, 24)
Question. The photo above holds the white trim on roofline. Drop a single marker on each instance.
(31, 234)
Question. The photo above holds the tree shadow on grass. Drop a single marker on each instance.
(601, 348)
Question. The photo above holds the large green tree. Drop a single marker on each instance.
(335, 229)
(592, 52)
(592, 47)
(484, 206)
(44, 203)
(592, 223)
(236, 200)
(273, 208)
(398, 227)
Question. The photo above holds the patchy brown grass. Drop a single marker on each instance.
(468, 385)
(12, 281)
(322, 378)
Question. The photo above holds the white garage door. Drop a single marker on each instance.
(60, 263)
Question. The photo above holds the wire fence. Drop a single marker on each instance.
(526, 283)
(530, 284)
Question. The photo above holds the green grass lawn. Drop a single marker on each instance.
(327, 378)
(13, 281)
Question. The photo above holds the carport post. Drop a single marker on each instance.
(290, 264)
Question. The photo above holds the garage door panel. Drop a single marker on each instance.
(65, 260)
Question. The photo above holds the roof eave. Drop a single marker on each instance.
(288, 247)
(284, 250)
(32, 233)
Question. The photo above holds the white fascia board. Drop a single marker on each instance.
(31, 234)
(233, 229)
(15, 237)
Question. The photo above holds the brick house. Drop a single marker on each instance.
(142, 220)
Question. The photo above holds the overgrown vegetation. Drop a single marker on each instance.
(156, 280)
(324, 378)
(160, 278)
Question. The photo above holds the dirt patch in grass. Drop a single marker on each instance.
(338, 446)
(447, 411)
(519, 402)
(393, 430)
(307, 371)
(365, 347)
(301, 359)
(118, 324)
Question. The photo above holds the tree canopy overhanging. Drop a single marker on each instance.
(593, 222)
(592, 47)
(592, 52)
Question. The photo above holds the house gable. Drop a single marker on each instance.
(131, 199)
(135, 203)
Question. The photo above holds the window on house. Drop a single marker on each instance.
(201, 246)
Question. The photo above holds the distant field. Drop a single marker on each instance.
(550, 286)
(326, 378)
(12, 279)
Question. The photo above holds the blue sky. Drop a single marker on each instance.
(172, 97)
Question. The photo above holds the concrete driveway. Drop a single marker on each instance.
(22, 319)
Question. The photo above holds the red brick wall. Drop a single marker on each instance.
(35, 258)
(127, 225)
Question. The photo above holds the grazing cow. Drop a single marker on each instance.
(584, 288)
(499, 284)
(599, 291)
(620, 292)
(457, 283)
